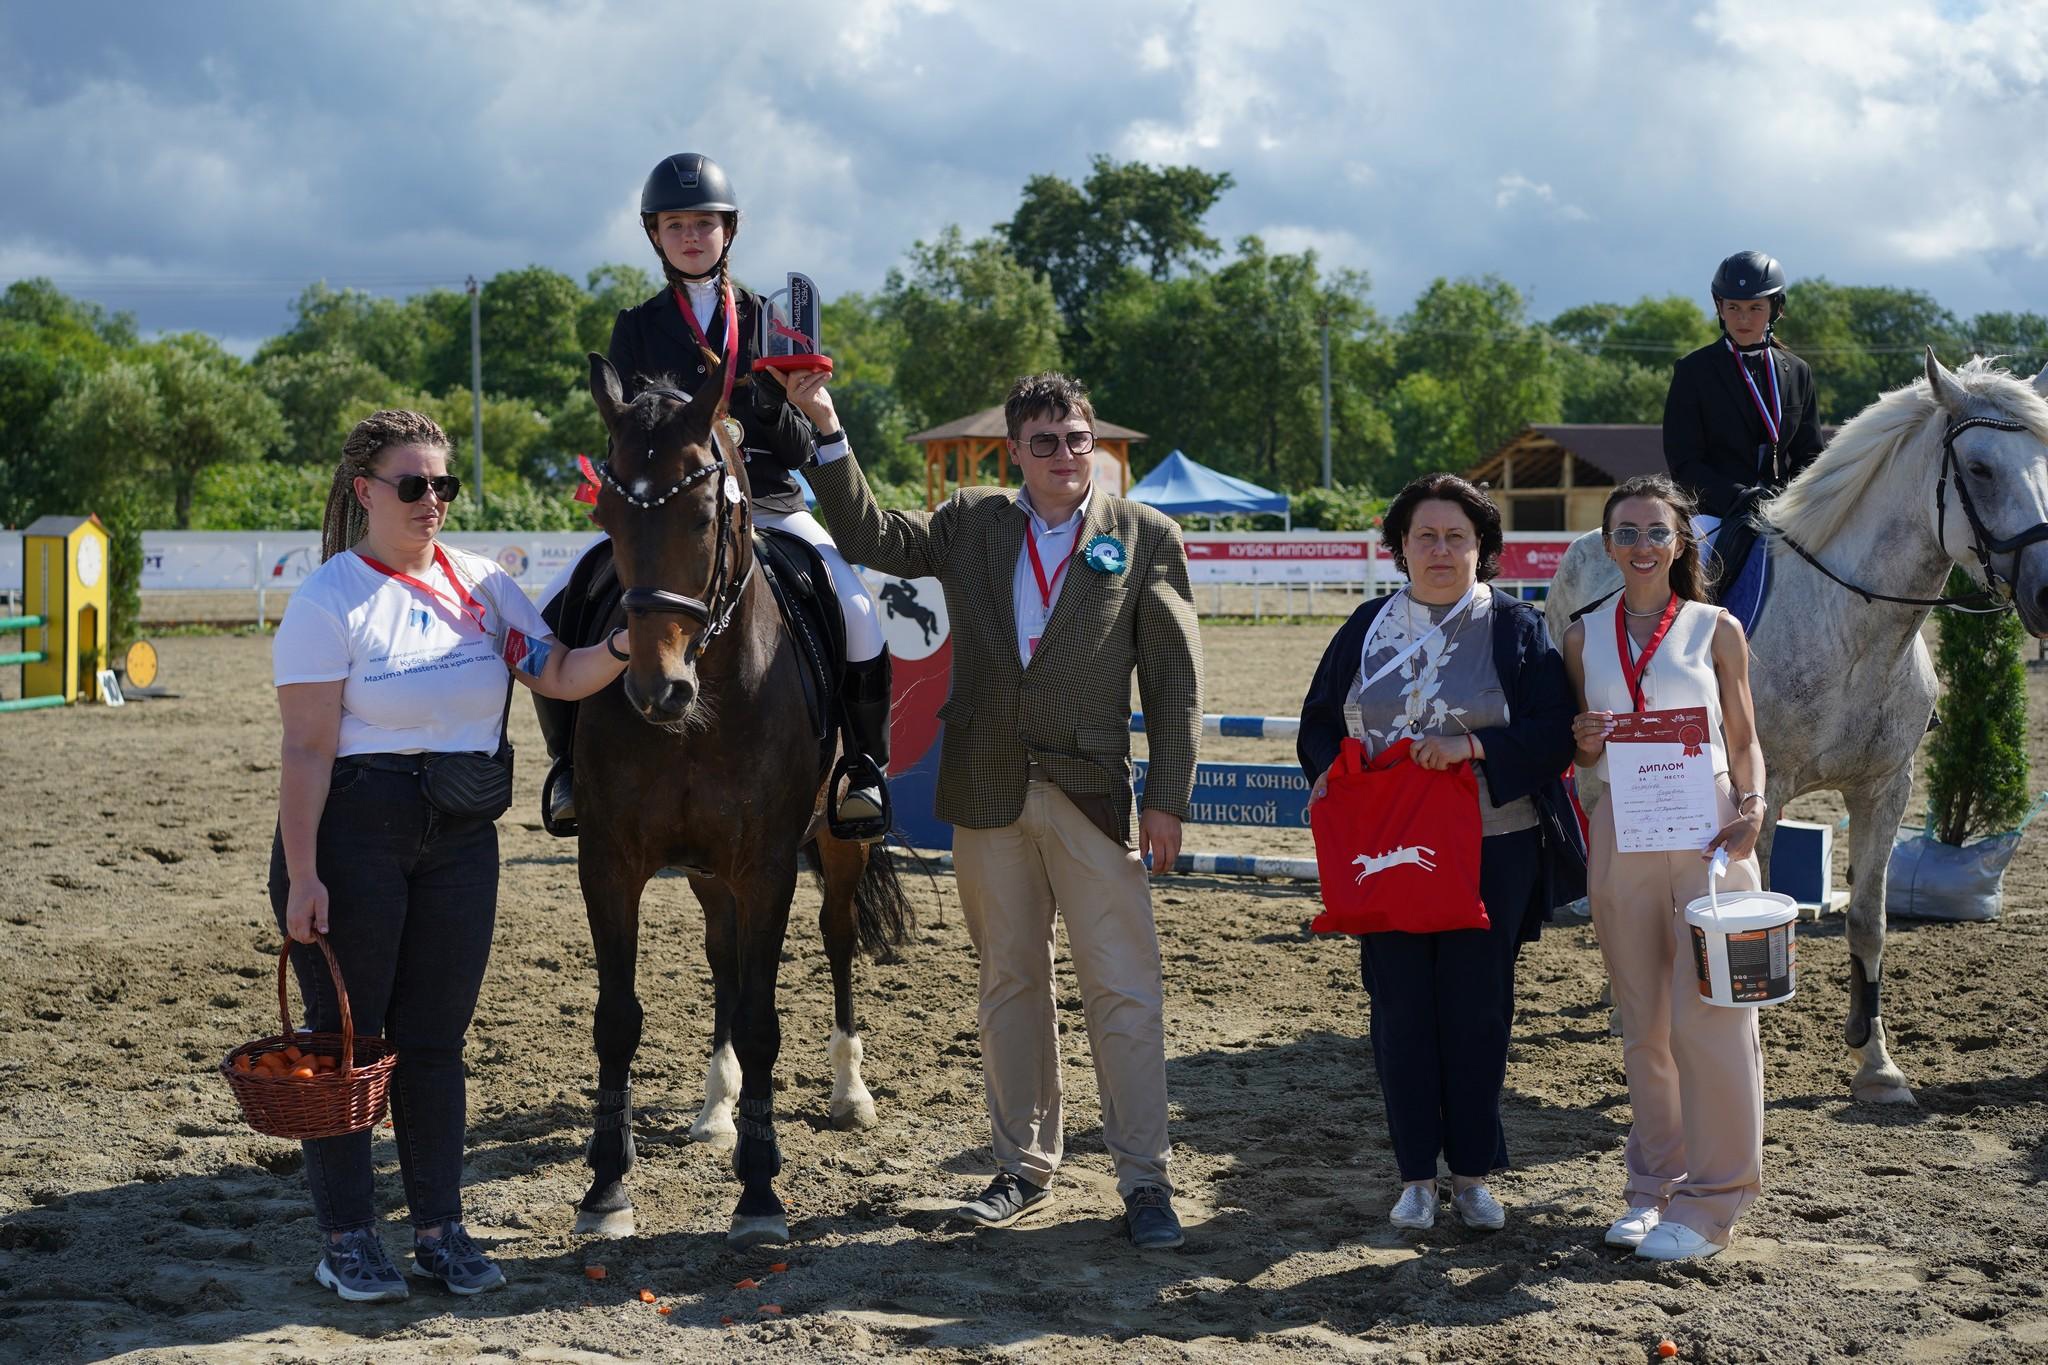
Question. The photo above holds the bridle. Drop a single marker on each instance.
(1998, 593)
(714, 610)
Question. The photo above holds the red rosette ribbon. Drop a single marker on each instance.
(1691, 736)
(587, 490)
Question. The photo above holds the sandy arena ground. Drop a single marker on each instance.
(139, 1219)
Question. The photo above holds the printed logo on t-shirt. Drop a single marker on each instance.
(419, 618)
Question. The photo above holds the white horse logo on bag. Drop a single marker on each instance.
(1416, 855)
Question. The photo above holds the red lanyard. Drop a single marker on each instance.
(1633, 672)
(1046, 585)
(732, 333)
(1774, 414)
(465, 606)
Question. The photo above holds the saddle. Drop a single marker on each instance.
(589, 607)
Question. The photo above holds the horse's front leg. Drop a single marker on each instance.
(1872, 819)
(759, 1219)
(611, 898)
(851, 1105)
(714, 1123)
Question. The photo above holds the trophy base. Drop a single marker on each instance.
(791, 363)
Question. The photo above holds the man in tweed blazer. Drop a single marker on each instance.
(1057, 594)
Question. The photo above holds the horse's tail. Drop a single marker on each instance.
(883, 915)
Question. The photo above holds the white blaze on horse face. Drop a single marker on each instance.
(641, 489)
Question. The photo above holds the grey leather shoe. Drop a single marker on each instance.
(1007, 1199)
(1148, 1213)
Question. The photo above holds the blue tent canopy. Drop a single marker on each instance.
(1180, 487)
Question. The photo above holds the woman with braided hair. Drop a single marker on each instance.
(391, 661)
(691, 215)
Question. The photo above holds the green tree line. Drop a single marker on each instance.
(1208, 347)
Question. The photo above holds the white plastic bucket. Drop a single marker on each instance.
(1743, 949)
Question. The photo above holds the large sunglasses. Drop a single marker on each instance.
(1046, 444)
(413, 487)
(1658, 535)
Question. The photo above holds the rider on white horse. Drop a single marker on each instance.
(1740, 421)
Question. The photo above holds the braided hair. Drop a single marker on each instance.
(345, 520)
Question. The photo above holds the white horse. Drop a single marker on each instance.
(1842, 680)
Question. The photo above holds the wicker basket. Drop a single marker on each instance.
(327, 1104)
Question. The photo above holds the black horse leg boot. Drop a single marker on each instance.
(863, 814)
(557, 791)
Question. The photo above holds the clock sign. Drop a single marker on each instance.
(90, 561)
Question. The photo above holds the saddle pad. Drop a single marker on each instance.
(1743, 598)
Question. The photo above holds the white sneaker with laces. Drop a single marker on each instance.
(1676, 1242)
(1416, 1208)
(1631, 1228)
(1477, 1208)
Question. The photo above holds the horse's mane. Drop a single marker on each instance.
(1813, 509)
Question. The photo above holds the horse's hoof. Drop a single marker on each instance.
(851, 1115)
(762, 1230)
(718, 1135)
(1883, 1091)
(604, 1222)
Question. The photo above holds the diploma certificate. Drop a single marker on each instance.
(1660, 775)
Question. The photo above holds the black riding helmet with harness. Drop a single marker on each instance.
(661, 344)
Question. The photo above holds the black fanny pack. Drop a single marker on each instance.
(468, 785)
(473, 786)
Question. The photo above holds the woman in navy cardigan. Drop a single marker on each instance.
(1469, 674)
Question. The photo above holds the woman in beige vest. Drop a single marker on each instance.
(1695, 1071)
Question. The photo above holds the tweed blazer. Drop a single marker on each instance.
(1070, 711)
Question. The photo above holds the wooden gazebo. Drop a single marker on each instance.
(953, 453)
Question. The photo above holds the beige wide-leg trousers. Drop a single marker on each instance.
(1695, 1070)
(1012, 880)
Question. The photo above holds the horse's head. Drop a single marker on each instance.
(1995, 519)
(674, 499)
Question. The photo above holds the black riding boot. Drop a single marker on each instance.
(1734, 540)
(557, 791)
(863, 813)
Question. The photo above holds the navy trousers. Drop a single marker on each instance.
(1442, 1007)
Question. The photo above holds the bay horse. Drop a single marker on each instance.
(706, 760)
(1952, 468)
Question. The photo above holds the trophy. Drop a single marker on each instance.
(789, 329)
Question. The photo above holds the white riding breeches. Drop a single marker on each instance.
(856, 607)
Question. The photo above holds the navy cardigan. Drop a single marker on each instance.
(1526, 757)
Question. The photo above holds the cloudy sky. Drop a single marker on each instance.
(199, 162)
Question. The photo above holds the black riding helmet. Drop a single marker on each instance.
(1751, 275)
(688, 182)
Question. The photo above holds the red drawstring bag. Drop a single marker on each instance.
(1397, 846)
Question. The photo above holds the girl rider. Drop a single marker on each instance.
(691, 215)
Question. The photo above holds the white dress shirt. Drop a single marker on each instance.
(1056, 546)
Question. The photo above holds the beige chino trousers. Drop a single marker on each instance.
(1695, 1070)
(1012, 881)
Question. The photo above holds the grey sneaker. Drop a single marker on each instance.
(1477, 1208)
(1148, 1213)
(456, 1261)
(359, 1269)
(1007, 1198)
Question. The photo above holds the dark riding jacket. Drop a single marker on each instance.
(653, 340)
(1715, 441)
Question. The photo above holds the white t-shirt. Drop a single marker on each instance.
(417, 674)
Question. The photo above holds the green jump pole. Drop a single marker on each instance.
(11, 624)
(24, 656)
(30, 703)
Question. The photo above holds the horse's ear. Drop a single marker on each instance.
(1948, 390)
(606, 388)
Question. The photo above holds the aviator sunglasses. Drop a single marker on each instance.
(413, 487)
(1626, 536)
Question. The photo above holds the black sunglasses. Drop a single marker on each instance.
(413, 487)
(1046, 444)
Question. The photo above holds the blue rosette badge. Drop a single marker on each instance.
(1106, 554)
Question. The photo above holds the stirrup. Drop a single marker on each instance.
(859, 771)
(558, 800)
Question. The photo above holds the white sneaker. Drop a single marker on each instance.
(1631, 1228)
(1416, 1208)
(1477, 1208)
(1676, 1242)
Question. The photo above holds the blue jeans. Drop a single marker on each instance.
(1442, 1006)
(412, 898)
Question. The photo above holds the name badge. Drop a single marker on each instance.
(1354, 720)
